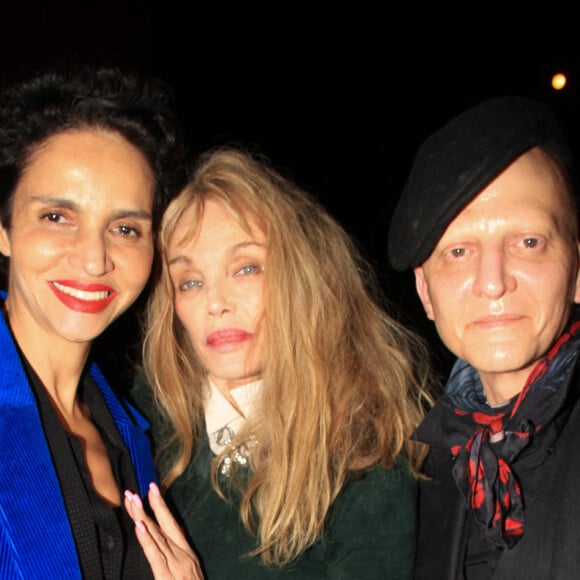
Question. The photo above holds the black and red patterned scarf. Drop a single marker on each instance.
(484, 441)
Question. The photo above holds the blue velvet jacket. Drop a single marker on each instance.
(36, 540)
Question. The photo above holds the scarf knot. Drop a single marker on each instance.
(483, 474)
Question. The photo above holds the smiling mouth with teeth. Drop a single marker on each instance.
(82, 294)
(88, 298)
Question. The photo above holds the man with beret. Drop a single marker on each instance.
(488, 223)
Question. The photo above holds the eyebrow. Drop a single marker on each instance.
(182, 258)
(69, 204)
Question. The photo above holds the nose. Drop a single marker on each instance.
(91, 253)
(493, 278)
(217, 301)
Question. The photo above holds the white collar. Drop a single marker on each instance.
(220, 415)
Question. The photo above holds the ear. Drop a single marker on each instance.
(4, 242)
(577, 292)
(423, 291)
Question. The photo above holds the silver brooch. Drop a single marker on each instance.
(236, 453)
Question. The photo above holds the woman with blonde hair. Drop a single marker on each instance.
(282, 394)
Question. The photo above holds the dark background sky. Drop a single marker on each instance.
(338, 98)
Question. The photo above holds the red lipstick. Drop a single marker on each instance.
(227, 339)
(84, 297)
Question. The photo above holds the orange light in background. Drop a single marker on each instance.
(559, 81)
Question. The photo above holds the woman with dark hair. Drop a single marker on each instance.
(88, 160)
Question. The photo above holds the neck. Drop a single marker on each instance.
(499, 388)
(58, 363)
(227, 385)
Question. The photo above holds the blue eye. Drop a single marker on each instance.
(189, 284)
(250, 269)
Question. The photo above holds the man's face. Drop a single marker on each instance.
(501, 282)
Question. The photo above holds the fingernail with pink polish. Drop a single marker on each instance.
(153, 487)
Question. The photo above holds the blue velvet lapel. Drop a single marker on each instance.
(35, 536)
(132, 428)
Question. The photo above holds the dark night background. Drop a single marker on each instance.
(339, 98)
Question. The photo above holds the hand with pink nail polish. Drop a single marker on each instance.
(164, 544)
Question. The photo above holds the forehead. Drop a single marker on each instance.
(532, 187)
(83, 160)
(73, 144)
(215, 223)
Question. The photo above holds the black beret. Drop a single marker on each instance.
(459, 160)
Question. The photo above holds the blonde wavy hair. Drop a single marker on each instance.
(345, 384)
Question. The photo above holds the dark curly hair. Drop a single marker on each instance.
(55, 100)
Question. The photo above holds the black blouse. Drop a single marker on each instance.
(104, 536)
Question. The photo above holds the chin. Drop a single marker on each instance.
(504, 364)
(80, 335)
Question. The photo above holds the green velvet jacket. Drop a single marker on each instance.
(370, 531)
